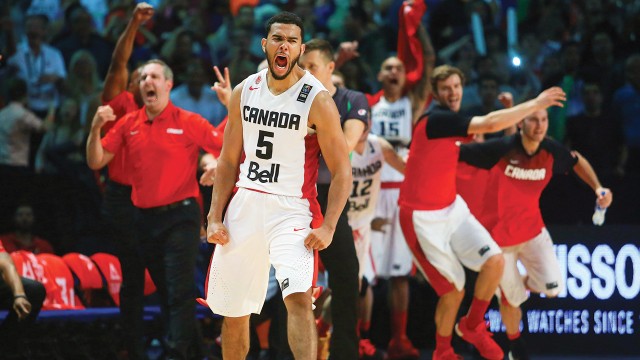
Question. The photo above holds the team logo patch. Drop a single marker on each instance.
(285, 284)
(484, 250)
(362, 112)
(304, 92)
(551, 285)
(258, 79)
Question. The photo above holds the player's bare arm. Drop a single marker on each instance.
(117, 77)
(585, 172)
(97, 156)
(391, 157)
(502, 119)
(324, 116)
(226, 171)
(21, 304)
(353, 129)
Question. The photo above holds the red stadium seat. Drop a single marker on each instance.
(62, 296)
(109, 266)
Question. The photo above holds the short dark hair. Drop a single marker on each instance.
(323, 46)
(286, 17)
(488, 77)
(16, 89)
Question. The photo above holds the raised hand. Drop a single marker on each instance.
(553, 96)
(143, 12)
(222, 87)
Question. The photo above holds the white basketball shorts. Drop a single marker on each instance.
(264, 230)
(444, 240)
(543, 273)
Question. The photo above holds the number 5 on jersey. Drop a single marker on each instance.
(264, 150)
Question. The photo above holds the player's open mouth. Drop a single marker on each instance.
(281, 62)
(394, 81)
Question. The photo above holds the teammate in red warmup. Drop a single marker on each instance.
(521, 166)
(281, 117)
(440, 230)
(162, 144)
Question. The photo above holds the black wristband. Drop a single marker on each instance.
(19, 296)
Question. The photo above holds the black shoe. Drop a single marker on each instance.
(518, 350)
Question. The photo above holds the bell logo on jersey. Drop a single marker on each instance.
(264, 176)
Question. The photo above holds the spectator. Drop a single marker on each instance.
(83, 84)
(23, 237)
(82, 35)
(66, 130)
(196, 96)
(626, 103)
(595, 133)
(22, 297)
(17, 124)
(40, 65)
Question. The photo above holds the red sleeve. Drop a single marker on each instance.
(409, 45)
(2, 250)
(114, 139)
(204, 134)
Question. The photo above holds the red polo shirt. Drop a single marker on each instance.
(122, 104)
(163, 153)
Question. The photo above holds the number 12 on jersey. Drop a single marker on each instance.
(360, 191)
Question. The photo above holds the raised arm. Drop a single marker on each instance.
(585, 172)
(118, 76)
(501, 119)
(391, 157)
(97, 156)
(226, 171)
(326, 119)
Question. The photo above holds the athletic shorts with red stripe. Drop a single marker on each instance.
(264, 229)
(543, 273)
(444, 240)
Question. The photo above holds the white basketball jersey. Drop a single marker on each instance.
(366, 170)
(280, 157)
(393, 121)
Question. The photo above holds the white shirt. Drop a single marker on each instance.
(393, 121)
(366, 170)
(31, 68)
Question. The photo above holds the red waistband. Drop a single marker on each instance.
(390, 185)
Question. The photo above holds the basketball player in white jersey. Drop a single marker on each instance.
(367, 159)
(281, 118)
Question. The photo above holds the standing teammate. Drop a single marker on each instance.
(339, 258)
(281, 117)
(521, 167)
(440, 230)
(122, 93)
(367, 160)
